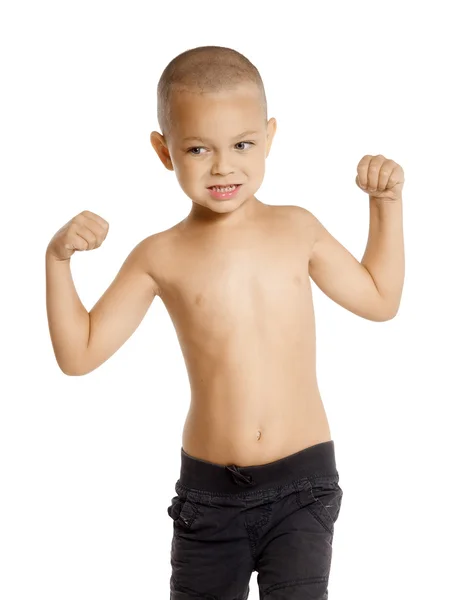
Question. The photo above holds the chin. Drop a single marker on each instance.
(226, 205)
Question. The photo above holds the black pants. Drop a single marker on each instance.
(277, 519)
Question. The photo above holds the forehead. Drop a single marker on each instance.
(220, 114)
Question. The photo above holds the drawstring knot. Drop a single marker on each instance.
(239, 477)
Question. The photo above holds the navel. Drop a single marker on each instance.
(258, 435)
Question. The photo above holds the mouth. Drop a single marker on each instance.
(224, 188)
(226, 192)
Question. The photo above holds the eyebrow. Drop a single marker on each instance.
(195, 138)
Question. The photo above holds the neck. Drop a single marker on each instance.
(244, 214)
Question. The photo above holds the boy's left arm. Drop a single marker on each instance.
(370, 288)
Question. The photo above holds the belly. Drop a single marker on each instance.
(253, 441)
(254, 410)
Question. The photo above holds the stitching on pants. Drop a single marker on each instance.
(280, 586)
(180, 588)
(321, 521)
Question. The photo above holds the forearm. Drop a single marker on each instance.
(384, 257)
(68, 320)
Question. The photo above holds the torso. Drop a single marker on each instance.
(242, 308)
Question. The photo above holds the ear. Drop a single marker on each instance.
(271, 129)
(159, 143)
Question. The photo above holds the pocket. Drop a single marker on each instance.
(182, 511)
(327, 500)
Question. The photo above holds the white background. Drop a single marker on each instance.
(88, 464)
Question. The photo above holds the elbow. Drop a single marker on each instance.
(71, 370)
(387, 314)
(383, 318)
(75, 365)
(390, 316)
(79, 371)
(391, 309)
(379, 312)
(387, 308)
(73, 373)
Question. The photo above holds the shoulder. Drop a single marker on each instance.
(142, 261)
(154, 254)
(303, 225)
(297, 212)
(301, 217)
(158, 242)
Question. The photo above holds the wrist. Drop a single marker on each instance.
(49, 256)
(384, 201)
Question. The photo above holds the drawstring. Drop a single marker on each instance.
(239, 477)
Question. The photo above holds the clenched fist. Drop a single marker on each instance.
(380, 177)
(86, 231)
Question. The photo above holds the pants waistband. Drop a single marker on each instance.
(318, 460)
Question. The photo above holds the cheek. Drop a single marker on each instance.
(193, 172)
(189, 173)
(182, 167)
(187, 164)
(259, 164)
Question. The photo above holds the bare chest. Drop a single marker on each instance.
(254, 283)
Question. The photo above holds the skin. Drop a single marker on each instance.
(243, 308)
(217, 119)
(234, 277)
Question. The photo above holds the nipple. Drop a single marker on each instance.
(258, 435)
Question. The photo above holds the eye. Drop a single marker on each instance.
(190, 151)
(251, 144)
(195, 148)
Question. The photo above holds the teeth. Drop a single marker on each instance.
(230, 188)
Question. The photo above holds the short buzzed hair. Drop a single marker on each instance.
(204, 69)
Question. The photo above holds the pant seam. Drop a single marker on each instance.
(280, 586)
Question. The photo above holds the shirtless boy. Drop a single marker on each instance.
(258, 488)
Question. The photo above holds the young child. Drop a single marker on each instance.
(258, 488)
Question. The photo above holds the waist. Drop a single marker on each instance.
(314, 461)
(224, 432)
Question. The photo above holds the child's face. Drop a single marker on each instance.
(218, 155)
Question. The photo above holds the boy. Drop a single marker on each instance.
(258, 488)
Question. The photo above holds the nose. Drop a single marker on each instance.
(221, 165)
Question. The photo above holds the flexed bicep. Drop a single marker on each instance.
(342, 277)
(120, 310)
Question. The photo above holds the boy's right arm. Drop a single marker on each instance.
(83, 340)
